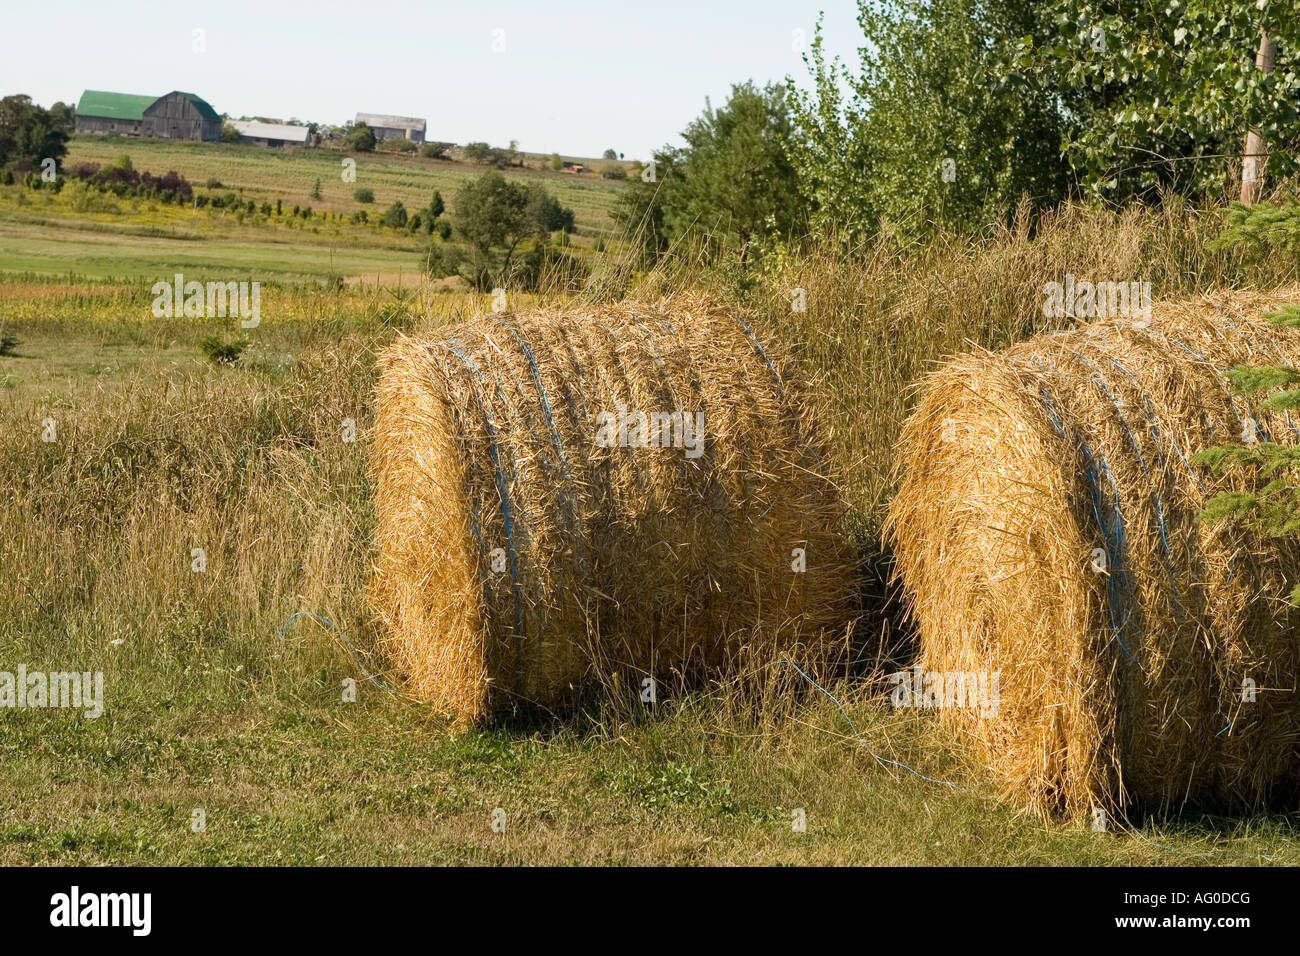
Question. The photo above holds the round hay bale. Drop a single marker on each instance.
(1047, 530)
(615, 494)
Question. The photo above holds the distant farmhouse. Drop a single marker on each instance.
(271, 134)
(394, 127)
(176, 115)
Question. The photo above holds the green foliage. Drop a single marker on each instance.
(491, 155)
(922, 135)
(363, 194)
(1267, 498)
(545, 266)
(30, 133)
(395, 216)
(436, 206)
(315, 190)
(546, 211)
(495, 215)
(221, 352)
(442, 260)
(733, 184)
(1035, 99)
(641, 210)
(8, 343)
(433, 151)
(737, 178)
(229, 134)
(556, 162)
(1256, 231)
(359, 138)
(492, 212)
(1160, 96)
(1248, 379)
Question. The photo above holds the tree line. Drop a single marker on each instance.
(959, 112)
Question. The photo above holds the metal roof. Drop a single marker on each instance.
(123, 106)
(200, 104)
(391, 122)
(280, 131)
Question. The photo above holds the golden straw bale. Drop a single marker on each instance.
(527, 548)
(1047, 529)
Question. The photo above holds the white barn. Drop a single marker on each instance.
(271, 134)
(394, 127)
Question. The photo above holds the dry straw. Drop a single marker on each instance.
(520, 559)
(1047, 528)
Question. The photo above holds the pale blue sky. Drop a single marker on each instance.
(575, 78)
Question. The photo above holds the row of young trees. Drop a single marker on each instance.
(961, 109)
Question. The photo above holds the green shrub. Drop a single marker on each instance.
(395, 216)
(442, 261)
(360, 138)
(223, 353)
(364, 194)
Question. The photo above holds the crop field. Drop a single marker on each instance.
(289, 174)
(223, 687)
(88, 234)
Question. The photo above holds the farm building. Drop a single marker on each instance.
(174, 116)
(271, 134)
(181, 116)
(101, 112)
(394, 127)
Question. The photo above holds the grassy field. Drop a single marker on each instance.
(214, 704)
(260, 174)
(87, 234)
(56, 250)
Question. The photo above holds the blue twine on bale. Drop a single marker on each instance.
(1156, 502)
(505, 507)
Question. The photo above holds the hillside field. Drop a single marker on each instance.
(104, 237)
